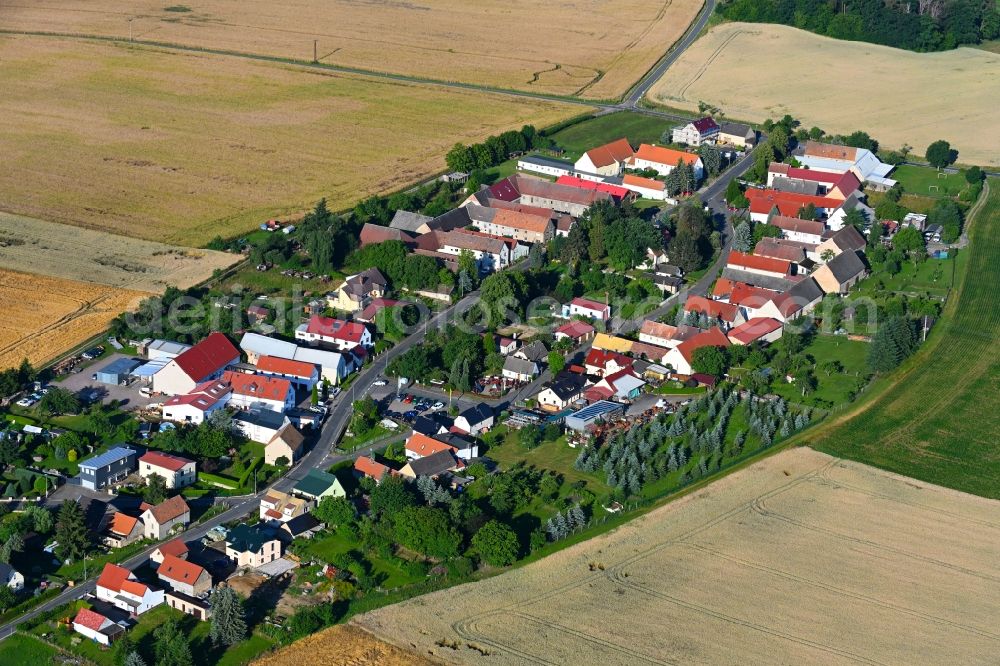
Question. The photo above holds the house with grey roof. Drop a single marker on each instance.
(433, 465)
(838, 275)
(413, 223)
(108, 468)
(519, 369)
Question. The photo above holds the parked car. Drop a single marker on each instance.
(408, 399)
(438, 405)
(380, 382)
(25, 402)
(410, 415)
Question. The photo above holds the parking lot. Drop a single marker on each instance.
(84, 385)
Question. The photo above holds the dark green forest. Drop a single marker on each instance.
(916, 25)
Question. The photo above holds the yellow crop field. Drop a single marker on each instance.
(44, 316)
(88, 255)
(180, 147)
(595, 49)
(798, 559)
(342, 645)
(756, 71)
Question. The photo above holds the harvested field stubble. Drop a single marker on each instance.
(89, 255)
(342, 645)
(597, 49)
(800, 558)
(181, 147)
(757, 71)
(44, 316)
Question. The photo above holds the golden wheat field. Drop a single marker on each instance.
(595, 49)
(798, 559)
(44, 316)
(342, 645)
(755, 71)
(180, 147)
(88, 255)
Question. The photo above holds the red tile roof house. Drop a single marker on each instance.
(177, 472)
(584, 307)
(421, 446)
(577, 331)
(367, 466)
(759, 329)
(203, 362)
(602, 362)
(183, 576)
(260, 391)
(119, 587)
(298, 373)
(159, 520)
(759, 265)
(196, 406)
(835, 185)
(377, 305)
(680, 357)
(718, 312)
(375, 233)
(607, 160)
(176, 548)
(122, 530)
(664, 160)
(96, 627)
(696, 132)
(341, 334)
(764, 202)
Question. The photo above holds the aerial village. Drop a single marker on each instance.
(309, 422)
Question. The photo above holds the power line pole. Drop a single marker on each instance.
(130, 29)
(315, 58)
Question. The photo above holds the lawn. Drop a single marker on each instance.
(933, 277)
(929, 182)
(555, 456)
(637, 128)
(25, 649)
(836, 388)
(331, 545)
(204, 653)
(937, 417)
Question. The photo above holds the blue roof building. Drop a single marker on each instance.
(602, 410)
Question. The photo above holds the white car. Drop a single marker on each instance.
(380, 382)
(25, 402)
(438, 405)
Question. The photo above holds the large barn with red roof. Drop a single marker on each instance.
(201, 363)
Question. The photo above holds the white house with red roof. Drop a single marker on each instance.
(759, 330)
(584, 307)
(198, 405)
(368, 467)
(621, 385)
(177, 472)
(681, 356)
(647, 188)
(260, 392)
(205, 361)
(577, 331)
(664, 160)
(421, 446)
(341, 334)
(98, 628)
(184, 577)
(298, 373)
(727, 314)
(119, 587)
(607, 160)
(176, 548)
(696, 132)
(603, 362)
(751, 263)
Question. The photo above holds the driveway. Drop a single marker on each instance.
(86, 387)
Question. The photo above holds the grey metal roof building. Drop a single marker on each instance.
(591, 414)
(107, 468)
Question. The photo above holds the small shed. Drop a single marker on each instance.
(117, 372)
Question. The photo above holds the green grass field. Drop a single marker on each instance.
(328, 547)
(936, 419)
(835, 388)
(24, 649)
(637, 128)
(933, 277)
(928, 182)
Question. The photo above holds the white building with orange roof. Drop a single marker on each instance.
(664, 160)
(299, 373)
(118, 586)
(607, 160)
(260, 391)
